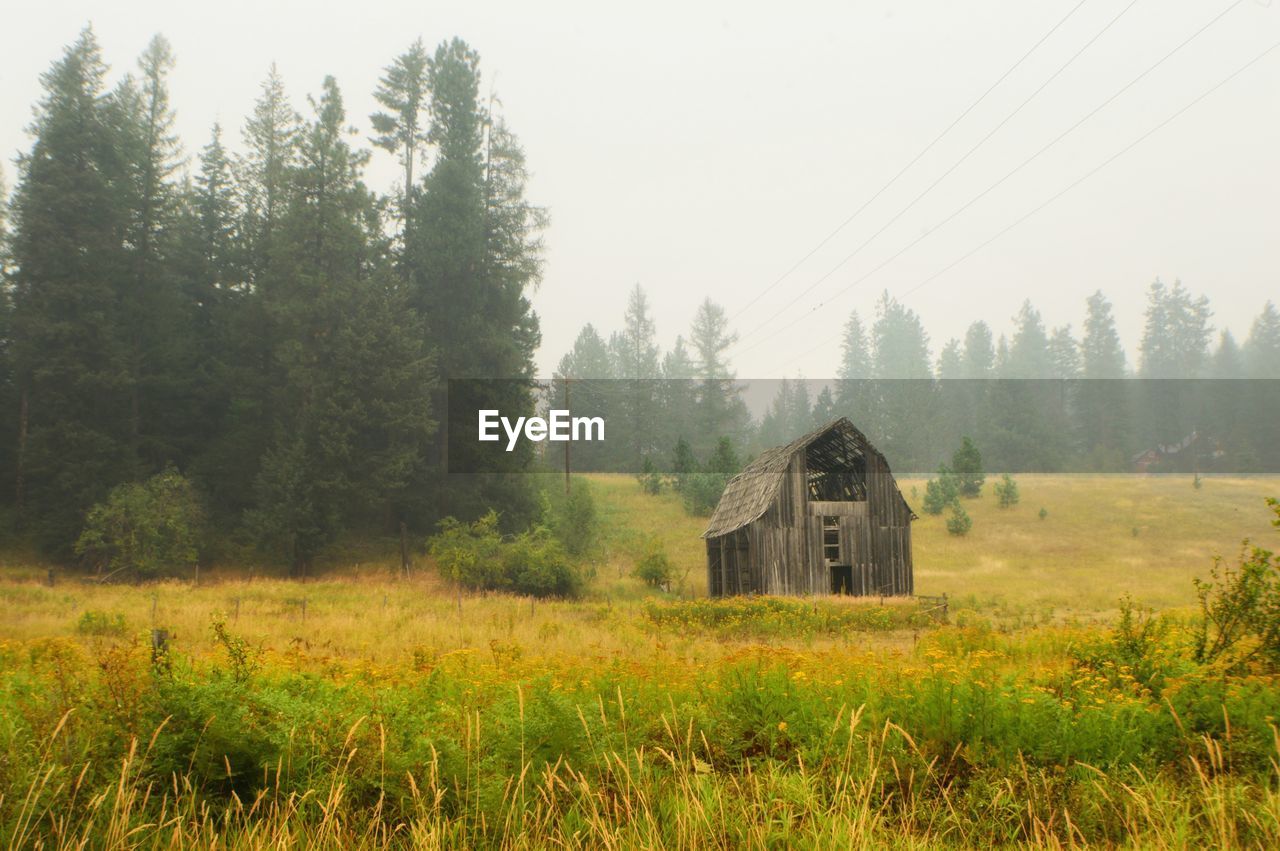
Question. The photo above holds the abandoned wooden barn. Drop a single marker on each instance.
(820, 515)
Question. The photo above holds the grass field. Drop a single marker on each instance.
(361, 710)
(1103, 537)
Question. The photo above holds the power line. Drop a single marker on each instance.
(1224, 81)
(962, 208)
(901, 212)
(926, 149)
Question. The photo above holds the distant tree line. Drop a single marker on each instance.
(1064, 411)
(264, 323)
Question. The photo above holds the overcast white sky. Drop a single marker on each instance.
(702, 149)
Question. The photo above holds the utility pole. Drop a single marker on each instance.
(567, 442)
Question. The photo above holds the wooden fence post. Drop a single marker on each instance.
(160, 649)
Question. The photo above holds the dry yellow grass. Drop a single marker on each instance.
(1079, 560)
(1103, 537)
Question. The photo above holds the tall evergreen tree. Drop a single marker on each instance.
(900, 346)
(824, 407)
(589, 357)
(1029, 350)
(1103, 417)
(901, 414)
(1262, 348)
(1175, 338)
(350, 407)
(402, 92)
(1227, 361)
(218, 213)
(473, 258)
(270, 141)
(636, 363)
(951, 360)
(1064, 353)
(853, 394)
(677, 395)
(8, 390)
(1101, 355)
(979, 351)
(721, 412)
(1175, 345)
(162, 352)
(71, 274)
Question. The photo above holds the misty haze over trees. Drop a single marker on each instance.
(266, 324)
(260, 320)
(913, 408)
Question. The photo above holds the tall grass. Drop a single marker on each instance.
(974, 738)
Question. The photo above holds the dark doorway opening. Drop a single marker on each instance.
(841, 579)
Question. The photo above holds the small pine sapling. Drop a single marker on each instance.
(959, 523)
(1006, 491)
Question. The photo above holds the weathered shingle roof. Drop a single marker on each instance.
(749, 494)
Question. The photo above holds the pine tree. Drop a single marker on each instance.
(1262, 348)
(589, 357)
(1175, 345)
(900, 420)
(855, 351)
(1029, 350)
(951, 360)
(677, 394)
(1064, 354)
(402, 91)
(1101, 355)
(350, 403)
(966, 464)
(900, 345)
(853, 396)
(71, 272)
(636, 362)
(979, 352)
(1227, 361)
(270, 140)
(162, 352)
(720, 410)
(824, 408)
(1103, 417)
(8, 389)
(218, 212)
(1175, 338)
(472, 260)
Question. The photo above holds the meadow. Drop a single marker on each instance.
(360, 709)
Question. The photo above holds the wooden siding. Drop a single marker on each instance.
(781, 551)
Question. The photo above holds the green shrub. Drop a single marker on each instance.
(101, 623)
(966, 463)
(146, 528)
(683, 463)
(649, 477)
(654, 568)
(468, 553)
(1240, 608)
(1006, 491)
(959, 523)
(574, 519)
(940, 492)
(536, 564)
(475, 556)
(702, 491)
(724, 460)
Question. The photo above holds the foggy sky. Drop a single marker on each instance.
(701, 150)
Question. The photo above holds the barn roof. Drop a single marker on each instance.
(748, 495)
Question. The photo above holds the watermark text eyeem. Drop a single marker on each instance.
(558, 427)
